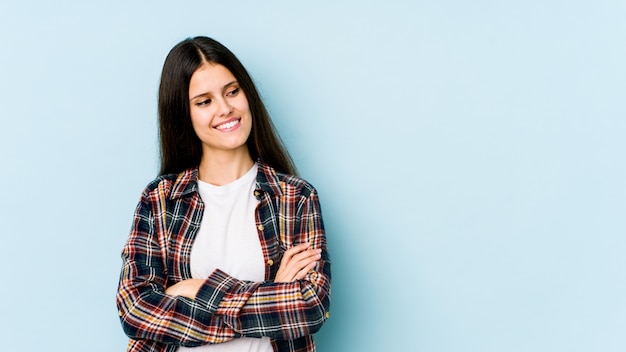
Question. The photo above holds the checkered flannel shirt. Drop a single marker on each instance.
(157, 254)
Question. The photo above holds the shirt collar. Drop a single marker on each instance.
(186, 183)
(267, 180)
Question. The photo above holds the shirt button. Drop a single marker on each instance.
(257, 194)
(270, 262)
(260, 227)
(327, 315)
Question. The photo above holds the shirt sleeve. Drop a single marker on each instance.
(282, 311)
(146, 312)
(225, 307)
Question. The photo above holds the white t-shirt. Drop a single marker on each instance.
(228, 240)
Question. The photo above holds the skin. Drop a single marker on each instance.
(221, 118)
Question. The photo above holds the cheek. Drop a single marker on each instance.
(199, 117)
(194, 120)
(197, 122)
(242, 104)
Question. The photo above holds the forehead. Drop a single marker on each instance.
(210, 77)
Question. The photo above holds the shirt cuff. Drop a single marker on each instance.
(213, 290)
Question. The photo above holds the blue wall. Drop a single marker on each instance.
(469, 156)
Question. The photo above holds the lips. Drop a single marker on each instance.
(228, 125)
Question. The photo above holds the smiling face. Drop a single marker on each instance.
(219, 110)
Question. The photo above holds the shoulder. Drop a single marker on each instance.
(161, 181)
(172, 185)
(279, 182)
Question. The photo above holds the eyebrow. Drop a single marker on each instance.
(207, 93)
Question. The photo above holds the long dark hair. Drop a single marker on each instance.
(180, 146)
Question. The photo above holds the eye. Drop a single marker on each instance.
(204, 102)
(233, 92)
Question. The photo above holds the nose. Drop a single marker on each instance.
(224, 108)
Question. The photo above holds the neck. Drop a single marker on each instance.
(222, 168)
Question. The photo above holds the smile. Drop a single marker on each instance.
(228, 125)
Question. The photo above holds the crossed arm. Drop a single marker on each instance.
(296, 263)
(219, 308)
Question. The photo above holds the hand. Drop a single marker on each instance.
(187, 288)
(296, 263)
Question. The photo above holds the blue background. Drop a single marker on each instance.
(469, 156)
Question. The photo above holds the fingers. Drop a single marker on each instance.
(296, 249)
(305, 255)
(297, 262)
(187, 288)
(302, 273)
(300, 253)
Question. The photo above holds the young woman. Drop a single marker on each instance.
(227, 251)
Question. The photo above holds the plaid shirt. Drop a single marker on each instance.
(157, 254)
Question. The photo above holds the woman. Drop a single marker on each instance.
(227, 251)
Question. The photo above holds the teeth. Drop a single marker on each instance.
(227, 125)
